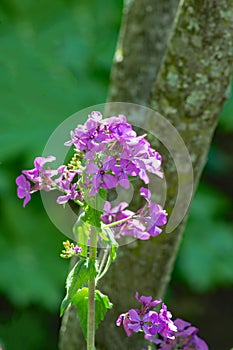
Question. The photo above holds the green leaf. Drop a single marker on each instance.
(111, 257)
(102, 304)
(78, 276)
(111, 245)
(81, 231)
(92, 216)
(107, 235)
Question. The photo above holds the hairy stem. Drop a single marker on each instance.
(91, 294)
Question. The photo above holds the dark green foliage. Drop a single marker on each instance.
(84, 270)
(55, 58)
(205, 260)
(102, 304)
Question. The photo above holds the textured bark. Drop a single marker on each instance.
(189, 90)
(141, 45)
(143, 36)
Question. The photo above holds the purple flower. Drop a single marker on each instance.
(123, 319)
(185, 338)
(40, 176)
(125, 168)
(23, 190)
(101, 176)
(135, 228)
(137, 322)
(141, 225)
(116, 213)
(77, 249)
(147, 302)
(149, 321)
(71, 192)
(158, 217)
(166, 325)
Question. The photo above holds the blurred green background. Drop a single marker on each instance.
(55, 59)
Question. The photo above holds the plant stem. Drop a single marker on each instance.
(91, 294)
(119, 221)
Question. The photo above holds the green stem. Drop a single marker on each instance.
(91, 294)
(118, 222)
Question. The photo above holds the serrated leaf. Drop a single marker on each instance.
(102, 304)
(77, 278)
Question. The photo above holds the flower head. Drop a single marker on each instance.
(23, 190)
(148, 321)
(107, 154)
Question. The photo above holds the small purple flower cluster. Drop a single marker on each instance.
(148, 321)
(113, 152)
(40, 178)
(107, 154)
(186, 338)
(159, 328)
(143, 224)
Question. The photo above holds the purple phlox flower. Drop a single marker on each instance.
(154, 214)
(158, 217)
(76, 138)
(39, 175)
(138, 322)
(119, 127)
(87, 136)
(101, 176)
(122, 170)
(147, 302)
(143, 224)
(136, 156)
(91, 154)
(154, 323)
(166, 325)
(154, 163)
(96, 117)
(144, 157)
(116, 213)
(124, 319)
(187, 336)
(135, 228)
(39, 162)
(23, 190)
(72, 193)
(77, 249)
(145, 192)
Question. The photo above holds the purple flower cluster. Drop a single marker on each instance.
(143, 224)
(113, 152)
(148, 321)
(41, 178)
(159, 328)
(107, 153)
(186, 338)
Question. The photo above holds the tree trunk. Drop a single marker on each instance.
(145, 25)
(189, 89)
(143, 36)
